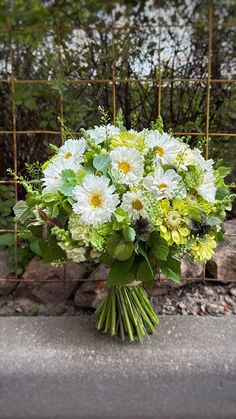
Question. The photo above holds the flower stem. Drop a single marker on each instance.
(126, 311)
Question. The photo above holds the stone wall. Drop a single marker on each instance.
(45, 285)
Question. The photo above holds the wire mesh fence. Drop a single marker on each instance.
(148, 59)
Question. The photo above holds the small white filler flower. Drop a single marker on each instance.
(162, 184)
(133, 203)
(96, 200)
(101, 133)
(126, 165)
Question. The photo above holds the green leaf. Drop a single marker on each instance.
(120, 215)
(80, 175)
(36, 230)
(221, 193)
(219, 236)
(129, 234)
(195, 213)
(51, 252)
(122, 273)
(159, 245)
(171, 268)
(214, 221)
(145, 272)
(112, 242)
(48, 197)
(69, 182)
(35, 247)
(101, 162)
(145, 255)
(123, 251)
(22, 212)
(7, 239)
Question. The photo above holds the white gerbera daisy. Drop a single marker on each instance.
(102, 133)
(133, 203)
(73, 150)
(126, 165)
(96, 200)
(207, 189)
(167, 147)
(200, 161)
(52, 174)
(162, 184)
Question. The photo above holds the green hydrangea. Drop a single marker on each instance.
(80, 231)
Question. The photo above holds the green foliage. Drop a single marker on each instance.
(7, 200)
(23, 214)
(69, 181)
(129, 234)
(159, 246)
(51, 252)
(121, 273)
(101, 163)
(171, 268)
(158, 124)
(118, 248)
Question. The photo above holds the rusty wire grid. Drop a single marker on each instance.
(160, 82)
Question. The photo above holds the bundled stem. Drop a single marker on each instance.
(127, 311)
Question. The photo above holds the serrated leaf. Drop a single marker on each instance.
(51, 252)
(159, 246)
(144, 272)
(213, 221)
(171, 268)
(22, 212)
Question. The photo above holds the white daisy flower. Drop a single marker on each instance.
(162, 184)
(96, 200)
(133, 203)
(200, 161)
(52, 174)
(101, 133)
(167, 147)
(207, 189)
(126, 165)
(73, 150)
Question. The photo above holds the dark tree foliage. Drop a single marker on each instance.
(132, 43)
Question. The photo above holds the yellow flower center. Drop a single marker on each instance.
(160, 151)
(56, 177)
(173, 219)
(137, 204)
(163, 186)
(67, 155)
(124, 166)
(96, 200)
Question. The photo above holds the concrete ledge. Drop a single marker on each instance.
(63, 368)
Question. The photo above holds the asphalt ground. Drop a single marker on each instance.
(61, 367)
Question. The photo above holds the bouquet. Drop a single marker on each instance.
(138, 202)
